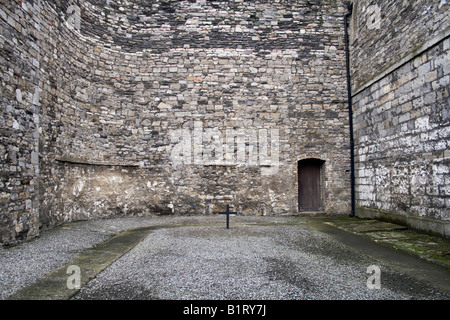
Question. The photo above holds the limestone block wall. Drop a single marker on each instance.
(385, 32)
(181, 107)
(178, 107)
(401, 111)
(19, 120)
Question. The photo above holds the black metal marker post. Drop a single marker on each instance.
(228, 215)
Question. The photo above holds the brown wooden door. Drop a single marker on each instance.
(309, 185)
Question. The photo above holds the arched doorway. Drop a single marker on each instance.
(310, 185)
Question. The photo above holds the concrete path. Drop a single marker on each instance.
(260, 258)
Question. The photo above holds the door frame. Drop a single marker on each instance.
(321, 164)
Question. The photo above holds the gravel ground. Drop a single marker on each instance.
(22, 265)
(204, 260)
(247, 262)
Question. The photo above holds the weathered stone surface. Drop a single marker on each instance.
(401, 116)
(179, 107)
(111, 84)
(384, 32)
(19, 119)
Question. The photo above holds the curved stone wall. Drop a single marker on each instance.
(180, 107)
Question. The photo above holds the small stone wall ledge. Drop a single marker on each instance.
(427, 225)
(96, 163)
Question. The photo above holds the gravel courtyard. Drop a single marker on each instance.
(198, 258)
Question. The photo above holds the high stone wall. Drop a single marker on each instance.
(19, 121)
(137, 102)
(180, 107)
(401, 111)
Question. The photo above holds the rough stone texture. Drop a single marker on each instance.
(384, 32)
(134, 107)
(19, 121)
(115, 88)
(402, 122)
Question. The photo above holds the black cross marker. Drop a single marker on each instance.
(228, 215)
